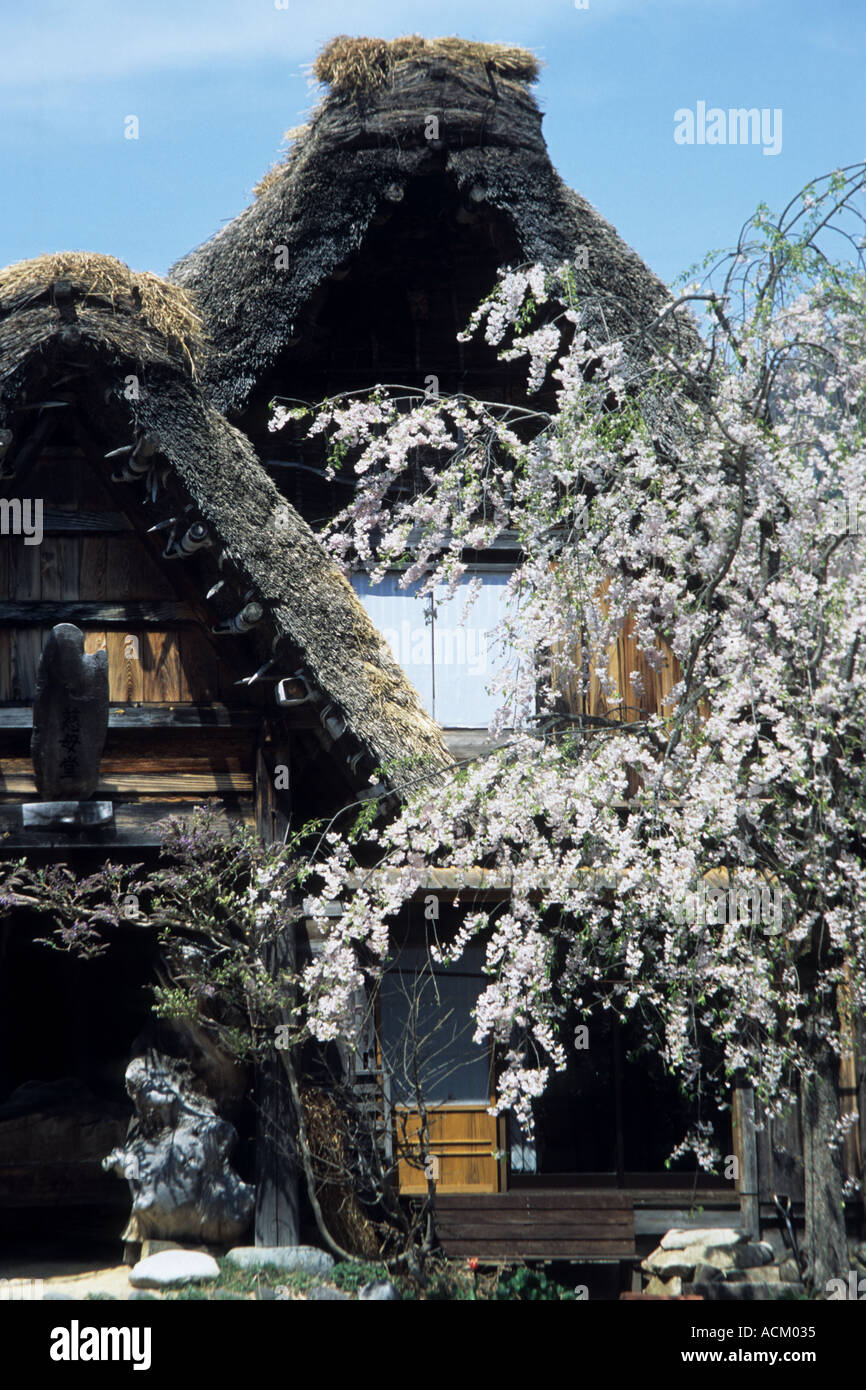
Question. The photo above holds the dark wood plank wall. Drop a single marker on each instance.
(537, 1225)
(160, 660)
(147, 663)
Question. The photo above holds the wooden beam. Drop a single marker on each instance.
(134, 827)
(273, 808)
(158, 613)
(277, 1215)
(538, 1225)
(655, 1221)
(21, 783)
(24, 451)
(849, 1089)
(61, 523)
(152, 716)
(57, 815)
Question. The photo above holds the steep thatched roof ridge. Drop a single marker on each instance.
(162, 307)
(359, 65)
(309, 606)
(253, 280)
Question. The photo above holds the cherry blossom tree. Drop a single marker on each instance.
(711, 498)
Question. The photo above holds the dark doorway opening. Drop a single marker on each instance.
(66, 1030)
(614, 1117)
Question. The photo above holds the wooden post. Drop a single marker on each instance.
(277, 1204)
(277, 1201)
(746, 1153)
(619, 1118)
(272, 807)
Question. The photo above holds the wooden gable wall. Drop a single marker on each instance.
(90, 556)
(180, 728)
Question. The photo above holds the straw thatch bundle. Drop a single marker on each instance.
(335, 1168)
(89, 321)
(107, 283)
(358, 65)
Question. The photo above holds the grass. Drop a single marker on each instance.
(447, 1281)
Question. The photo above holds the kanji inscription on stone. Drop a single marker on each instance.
(70, 716)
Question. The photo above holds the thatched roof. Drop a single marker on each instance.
(369, 136)
(106, 322)
(107, 283)
(355, 66)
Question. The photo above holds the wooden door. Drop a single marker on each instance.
(465, 1143)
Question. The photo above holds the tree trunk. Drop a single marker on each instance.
(277, 1199)
(826, 1245)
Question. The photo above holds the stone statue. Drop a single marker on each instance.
(176, 1160)
(70, 716)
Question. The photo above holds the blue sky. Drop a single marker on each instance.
(215, 83)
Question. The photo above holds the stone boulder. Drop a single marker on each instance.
(742, 1291)
(715, 1263)
(683, 1262)
(380, 1291)
(176, 1159)
(307, 1258)
(710, 1237)
(172, 1269)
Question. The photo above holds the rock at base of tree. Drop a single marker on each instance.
(380, 1291)
(789, 1271)
(173, 1268)
(664, 1288)
(710, 1237)
(742, 1292)
(764, 1274)
(668, 1264)
(176, 1159)
(304, 1257)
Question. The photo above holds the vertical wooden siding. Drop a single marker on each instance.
(145, 665)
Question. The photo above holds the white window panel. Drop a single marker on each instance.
(451, 664)
(403, 620)
(468, 655)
